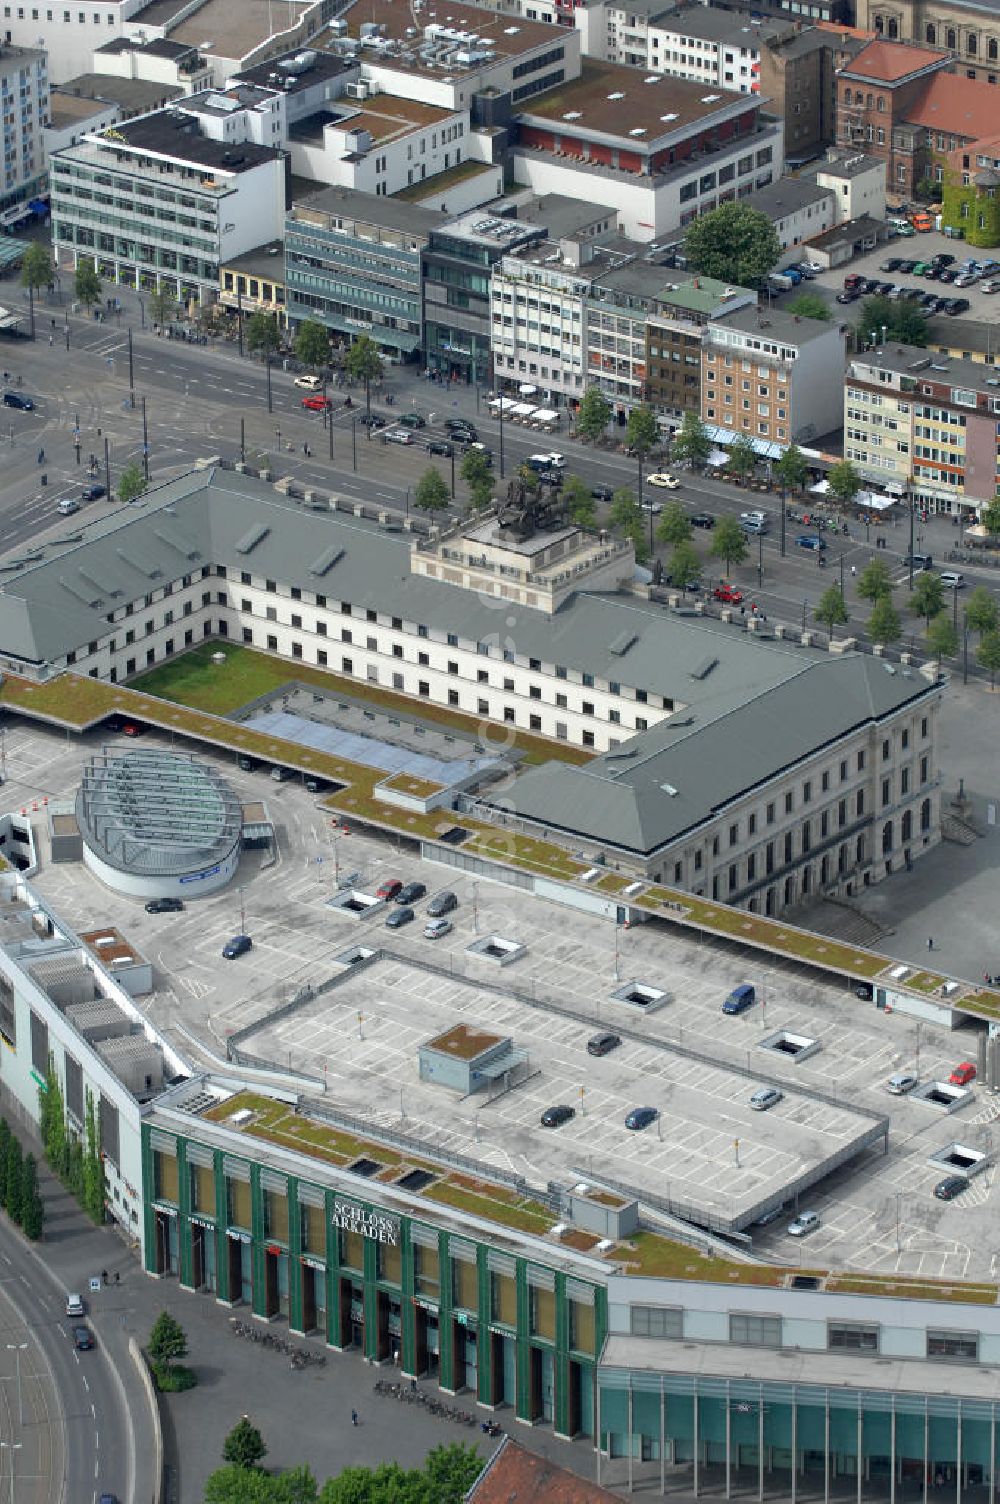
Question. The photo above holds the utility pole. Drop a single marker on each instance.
(354, 442)
(17, 1348)
(239, 315)
(107, 466)
(452, 447)
(909, 502)
(31, 310)
(243, 441)
(131, 378)
(12, 1447)
(965, 643)
(329, 431)
(267, 366)
(500, 400)
(145, 437)
(782, 522)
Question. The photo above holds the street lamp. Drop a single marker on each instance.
(17, 1348)
(965, 643)
(12, 1447)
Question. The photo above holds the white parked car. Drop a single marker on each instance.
(309, 383)
(74, 1305)
(952, 581)
(664, 480)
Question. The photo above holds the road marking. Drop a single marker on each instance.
(92, 1410)
(86, 1383)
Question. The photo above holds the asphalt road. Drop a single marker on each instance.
(74, 1417)
(197, 398)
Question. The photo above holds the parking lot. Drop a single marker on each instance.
(700, 1082)
(984, 307)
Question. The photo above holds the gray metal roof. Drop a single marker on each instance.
(789, 196)
(684, 771)
(760, 706)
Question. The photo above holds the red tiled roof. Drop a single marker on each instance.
(858, 32)
(889, 62)
(513, 1473)
(958, 106)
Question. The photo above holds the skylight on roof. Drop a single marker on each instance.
(654, 78)
(667, 118)
(638, 130)
(710, 98)
(616, 95)
(572, 115)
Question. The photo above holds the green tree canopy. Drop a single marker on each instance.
(809, 305)
(728, 542)
(734, 243)
(36, 268)
(884, 625)
(991, 518)
(624, 512)
(988, 656)
(928, 595)
(167, 1342)
(32, 1207)
(791, 469)
(432, 493)
(831, 611)
(477, 472)
(362, 361)
(580, 505)
(742, 457)
(685, 565)
(942, 639)
(642, 430)
(844, 481)
(131, 483)
(638, 533)
(674, 527)
(87, 284)
(240, 1485)
(691, 441)
(875, 581)
(900, 319)
(312, 343)
(261, 334)
(244, 1446)
(163, 305)
(15, 1171)
(981, 612)
(594, 413)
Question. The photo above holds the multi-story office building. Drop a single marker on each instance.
(24, 104)
(925, 421)
(772, 376)
(718, 48)
(658, 150)
(160, 202)
(354, 262)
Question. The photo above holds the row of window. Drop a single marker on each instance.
(767, 1331)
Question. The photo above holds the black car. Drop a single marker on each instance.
(442, 903)
(641, 1117)
(165, 906)
(440, 446)
(92, 493)
(919, 561)
(602, 493)
(411, 892)
(82, 1339)
(551, 478)
(14, 399)
(460, 426)
(885, 288)
(947, 274)
(938, 306)
(554, 1117)
(950, 1187)
(849, 295)
(703, 519)
(955, 306)
(933, 272)
(373, 420)
(943, 258)
(398, 917)
(906, 266)
(236, 947)
(315, 785)
(603, 1044)
(892, 265)
(869, 285)
(411, 420)
(864, 990)
(246, 763)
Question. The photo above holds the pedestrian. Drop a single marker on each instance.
(354, 1417)
(41, 456)
(854, 570)
(930, 942)
(104, 1276)
(50, 339)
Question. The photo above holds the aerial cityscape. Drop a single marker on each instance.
(499, 630)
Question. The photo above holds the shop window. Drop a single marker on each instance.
(276, 1216)
(238, 1203)
(852, 1336)
(389, 1259)
(427, 1272)
(958, 1347)
(582, 1330)
(543, 1313)
(464, 1285)
(313, 1230)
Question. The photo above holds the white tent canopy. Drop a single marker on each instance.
(545, 415)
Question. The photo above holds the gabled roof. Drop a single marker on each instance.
(957, 106)
(892, 62)
(514, 1474)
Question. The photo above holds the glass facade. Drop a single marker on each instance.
(801, 1440)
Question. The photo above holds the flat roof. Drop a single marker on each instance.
(387, 117)
(220, 103)
(509, 35)
(235, 28)
(483, 227)
(774, 325)
(322, 65)
(610, 99)
(368, 208)
(130, 94)
(788, 196)
(845, 164)
(263, 261)
(71, 109)
(402, 1002)
(847, 234)
(110, 947)
(920, 363)
(169, 133)
(716, 25)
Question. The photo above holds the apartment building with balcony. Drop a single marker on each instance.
(772, 376)
(925, 421)
(159, 202)
(24, 108)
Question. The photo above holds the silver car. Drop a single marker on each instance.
(805, 1223)
(900, 1083)
(765, 1097)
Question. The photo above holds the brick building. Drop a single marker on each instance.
(968, 28)
(876, 96)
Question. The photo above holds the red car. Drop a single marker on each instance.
(317, 403)
(729, 594)
(131, 728)
(963, 1074)
(389, 888)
